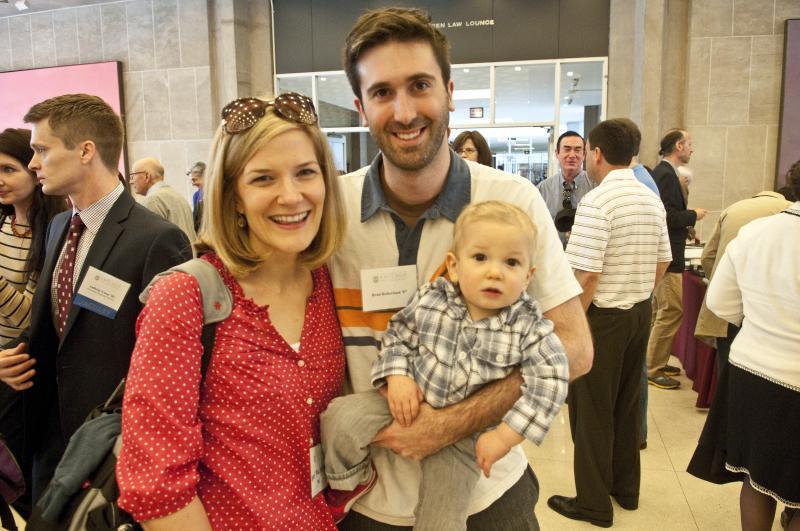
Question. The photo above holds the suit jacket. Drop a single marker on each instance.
(678, 217)
(79, 371)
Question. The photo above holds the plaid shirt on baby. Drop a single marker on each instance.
(434, 341)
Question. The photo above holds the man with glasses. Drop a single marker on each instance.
(401, 211)
(563, 191)
(147, 179)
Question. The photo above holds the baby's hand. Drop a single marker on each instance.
(488, 450)
(403, 397)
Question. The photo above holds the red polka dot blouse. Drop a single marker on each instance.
(242, 442)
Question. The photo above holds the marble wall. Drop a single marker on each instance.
(733, 91)
(711, 66)
(163, 46)
(714, 68)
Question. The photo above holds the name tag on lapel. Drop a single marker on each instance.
(101, 293)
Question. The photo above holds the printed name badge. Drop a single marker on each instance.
(318, 478)
(387, 288)
(101, 293)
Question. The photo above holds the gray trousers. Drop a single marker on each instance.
(448, 476)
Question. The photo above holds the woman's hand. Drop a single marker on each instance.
(15, 367)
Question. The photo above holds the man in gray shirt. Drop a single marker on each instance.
(563, 191)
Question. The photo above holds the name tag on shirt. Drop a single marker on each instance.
(318, 479)
(101, 293)
(388, 288)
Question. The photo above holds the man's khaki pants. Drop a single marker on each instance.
(668, 306)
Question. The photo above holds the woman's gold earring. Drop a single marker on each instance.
(241, 222)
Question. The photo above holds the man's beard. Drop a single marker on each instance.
(417, 157)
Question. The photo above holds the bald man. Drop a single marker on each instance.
(147, 179)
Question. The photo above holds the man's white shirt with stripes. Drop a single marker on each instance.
(620, 231)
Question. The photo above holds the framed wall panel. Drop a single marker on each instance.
(21, 89)
(789, 129)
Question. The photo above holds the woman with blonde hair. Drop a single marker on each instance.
(240, 450)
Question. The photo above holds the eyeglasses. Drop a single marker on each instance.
(566, 198)
(133, 174)
(467, 150)
(241, 114)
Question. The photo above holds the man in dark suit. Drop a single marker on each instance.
(676, 149)
(100, 255)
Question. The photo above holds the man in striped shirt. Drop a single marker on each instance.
(619, 250)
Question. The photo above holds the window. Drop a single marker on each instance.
(581, 96)
(519, 107)
(525, 93)
(472, 96)
(300, 84)
(335, 102)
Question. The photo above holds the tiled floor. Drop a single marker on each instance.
(670, 499)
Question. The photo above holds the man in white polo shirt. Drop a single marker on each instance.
(619, 250)
(401, 212)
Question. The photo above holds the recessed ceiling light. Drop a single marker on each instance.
(570, 73)
(21, 5)
(323, 78)
(566, 97)
(517, 69)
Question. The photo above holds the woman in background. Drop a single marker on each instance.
(24, 215)
(471, 145)
(756, 408)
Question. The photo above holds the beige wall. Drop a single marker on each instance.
(735, 62)
(711, 66)
(180, 58)
(714, 68)
(164, 49)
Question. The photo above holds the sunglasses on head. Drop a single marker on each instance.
(241, 114)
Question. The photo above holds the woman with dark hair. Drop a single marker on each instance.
(471, 145)
(753, 426)
(24, 214)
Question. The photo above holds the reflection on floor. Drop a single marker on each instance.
(670, 497)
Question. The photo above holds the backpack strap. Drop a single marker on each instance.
(216, 298)
(215, 295)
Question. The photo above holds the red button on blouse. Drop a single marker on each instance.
(242, 444)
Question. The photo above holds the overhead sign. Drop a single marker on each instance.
(309, 34)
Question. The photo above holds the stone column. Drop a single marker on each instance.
(242, 49)
(646, 67)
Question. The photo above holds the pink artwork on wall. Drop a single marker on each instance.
(21, 89)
